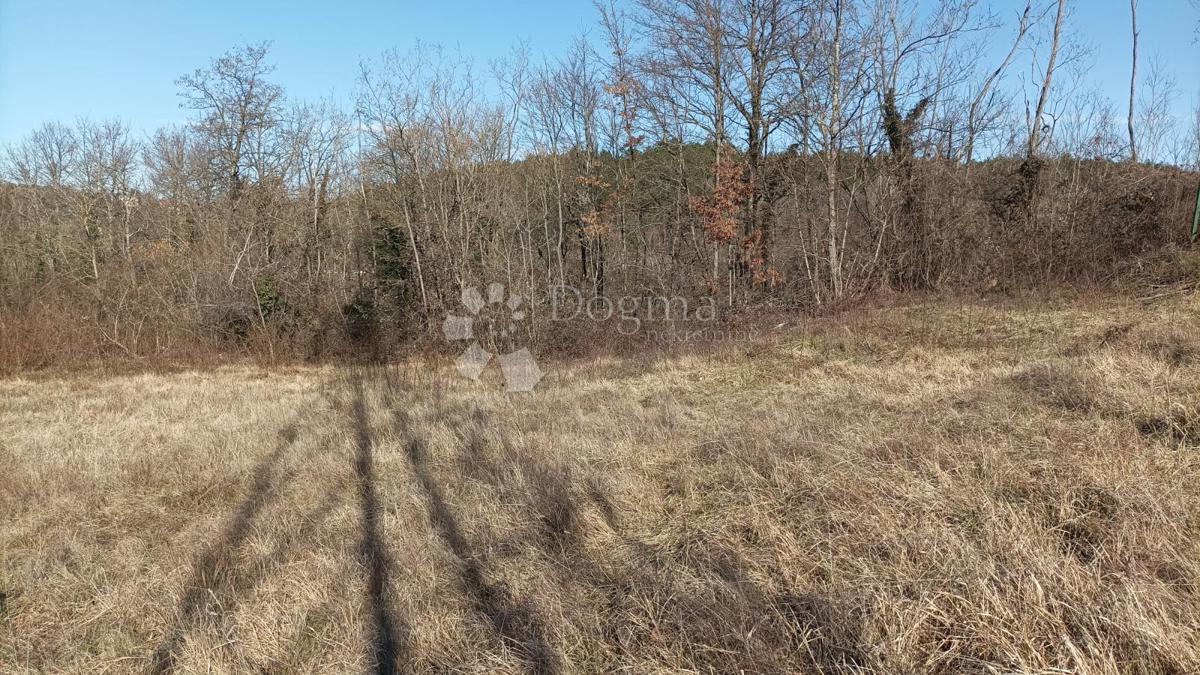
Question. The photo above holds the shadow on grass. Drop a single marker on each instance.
(389, 641)
(698, 594)
(214, 570)
(513, 621)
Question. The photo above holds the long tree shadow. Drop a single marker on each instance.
(389, 642)
(515, 624)
(213, 570)
(736, 626)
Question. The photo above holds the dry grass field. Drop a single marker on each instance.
(932, 489)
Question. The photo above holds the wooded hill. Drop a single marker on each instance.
(782, 156)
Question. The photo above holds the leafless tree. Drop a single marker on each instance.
(1133, 153)
(688, 41)
(975, 113)
(759, 47)
(914, 75)
(1037, 123)
(49, 156)
(237, 104)
(1156, 122)
(1195, 137)
(106, 172)
(317, 142)
(831, 126)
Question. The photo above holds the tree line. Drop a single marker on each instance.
(794, 154)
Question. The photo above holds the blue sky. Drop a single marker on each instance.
(63, 60)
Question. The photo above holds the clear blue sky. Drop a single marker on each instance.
(102, 59)
(63, 60)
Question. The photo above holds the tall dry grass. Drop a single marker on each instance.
(937, 488)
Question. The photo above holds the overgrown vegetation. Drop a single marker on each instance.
(943, 415)
(932, 489)
(769, 154)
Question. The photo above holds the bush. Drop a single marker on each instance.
(361, 317)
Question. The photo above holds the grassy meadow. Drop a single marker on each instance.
(939, 488)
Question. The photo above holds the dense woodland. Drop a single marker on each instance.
(781, 155)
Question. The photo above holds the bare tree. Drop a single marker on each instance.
(176, 167)
(49, 156)
(580, 89)
(317, 137)
(1037, 123)
(911, 83)
(391, 116)
(903, 51)
(106, 173)
(606, 200)
(1195, 137)
(1156, 120)
(759, 44)
(688, 40)
(107, 157)
(831, 129)
(975, 111)
(512, 73)
(237, 104)
(1133, 153)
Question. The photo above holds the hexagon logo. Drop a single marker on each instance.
(492, 321)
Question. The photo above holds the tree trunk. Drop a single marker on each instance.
(1133, 154)
(832, 141)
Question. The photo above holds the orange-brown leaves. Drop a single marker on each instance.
(719, 211)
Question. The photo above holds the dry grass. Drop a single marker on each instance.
(939, 489)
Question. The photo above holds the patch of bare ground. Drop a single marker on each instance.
(930, 489)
